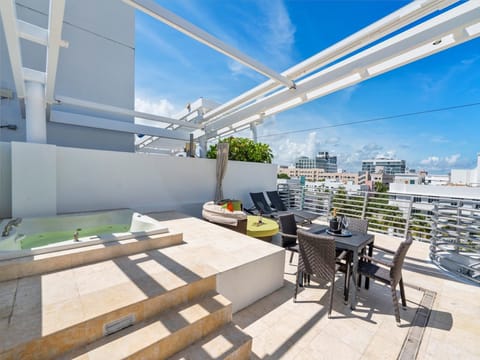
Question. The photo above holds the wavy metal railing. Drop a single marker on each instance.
(455, 243)
(449, 224)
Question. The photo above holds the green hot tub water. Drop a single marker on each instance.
(43, 239)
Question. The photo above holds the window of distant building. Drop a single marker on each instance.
(417, 199)
(412, 182)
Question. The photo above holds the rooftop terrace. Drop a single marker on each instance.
(279, 327)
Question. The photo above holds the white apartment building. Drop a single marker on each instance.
(468, 177)
(437, 180)
(426, 197)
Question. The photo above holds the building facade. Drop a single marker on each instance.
(326, 162)
(304, 162)
(97, 66)
(389, 166)
(369, 179)
(323, 160)
(468, 177)
(319, 175)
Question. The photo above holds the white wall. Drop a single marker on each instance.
(5, 181)
(33, 180)
(98, 65)
(95, 180)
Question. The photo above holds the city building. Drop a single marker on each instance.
(389, 166)
(304, 162)
(468, 177)
(323, 160)
(369, 179)
(326, 162)
(319, 175)
(408, 178)
(426, 197)
(436, 180)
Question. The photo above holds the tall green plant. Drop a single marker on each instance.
(243, 149)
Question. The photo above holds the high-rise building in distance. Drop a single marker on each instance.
(389, 166)
(321, 161)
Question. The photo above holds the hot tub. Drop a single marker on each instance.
(45, 234)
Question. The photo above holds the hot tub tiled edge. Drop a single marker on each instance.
(39, 264)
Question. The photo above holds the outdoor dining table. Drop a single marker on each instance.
(355, 243)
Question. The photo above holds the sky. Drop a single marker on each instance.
(172, 70)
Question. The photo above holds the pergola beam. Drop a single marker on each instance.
(115, 125)
(153, 9)
(437, 34)
(390, 23)
(121, 111)
(55, 22)
(9, 20)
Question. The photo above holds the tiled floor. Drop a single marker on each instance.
(282, 329)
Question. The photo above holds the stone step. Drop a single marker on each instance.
(46, 315)
(30, 265)
(228, 343)
(164, 335)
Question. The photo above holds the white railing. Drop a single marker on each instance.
(455, 243)
(451, 225)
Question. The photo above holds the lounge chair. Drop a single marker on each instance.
(279, 205)
(262, 207)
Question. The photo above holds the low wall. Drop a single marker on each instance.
(48, 179)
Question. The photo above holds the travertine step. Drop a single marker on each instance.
(164, 335)
(47, 315)
(228, 343)
(31, 265)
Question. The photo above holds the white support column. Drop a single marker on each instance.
(253, 129)
(203, 146)
(36, 120)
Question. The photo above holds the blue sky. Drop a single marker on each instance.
(173, 70)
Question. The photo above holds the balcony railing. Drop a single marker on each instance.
(450, 225)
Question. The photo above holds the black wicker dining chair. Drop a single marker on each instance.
(357, 225)
(288, 233)
(388, 272)
(317, 260)
(360, 226)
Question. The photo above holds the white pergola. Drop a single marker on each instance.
(313, 78)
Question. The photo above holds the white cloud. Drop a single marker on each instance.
(438, 163)
(439, 139)
(278, 32)
(161, 107)
(160, 43)
(453, 159)
(286, 150)
(237, 68)
(431, 160)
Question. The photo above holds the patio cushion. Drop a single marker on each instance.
(232, 205)
(219, 214)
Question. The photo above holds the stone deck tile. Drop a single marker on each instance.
(283, 329)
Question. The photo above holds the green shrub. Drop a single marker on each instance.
(243, 149)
